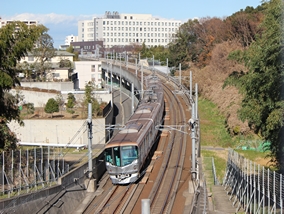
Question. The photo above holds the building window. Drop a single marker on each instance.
(104, 22)
(130, 17)
(30, 58)
(93, 68)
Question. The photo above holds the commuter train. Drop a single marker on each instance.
(127, 151)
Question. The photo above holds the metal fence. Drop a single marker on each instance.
(253, 187)
(24, 171)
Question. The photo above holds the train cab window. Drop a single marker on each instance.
(128, 154)
(116, 154)
(108, 155)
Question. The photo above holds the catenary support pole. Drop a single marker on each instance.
(90, 165)
(132, 98)
(190, 86)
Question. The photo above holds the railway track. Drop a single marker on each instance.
(163, 193)
(166, 174)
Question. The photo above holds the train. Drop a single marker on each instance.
(127, 151)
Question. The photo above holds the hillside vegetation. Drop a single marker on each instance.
(237, 62)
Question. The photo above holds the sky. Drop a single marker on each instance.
(62, 16)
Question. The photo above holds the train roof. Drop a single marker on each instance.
(141, 120)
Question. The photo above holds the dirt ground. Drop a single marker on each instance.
(79, 113)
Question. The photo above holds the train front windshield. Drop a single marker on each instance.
(121, 155)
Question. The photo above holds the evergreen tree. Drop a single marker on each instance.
(71, 101)
(262, 87)
(51, 106)
(16, 39)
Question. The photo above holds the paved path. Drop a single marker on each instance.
(220, 200)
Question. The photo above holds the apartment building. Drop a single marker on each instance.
(27, 22)
(71, 38)
(55, 72)
(85, 72)
(116, 29)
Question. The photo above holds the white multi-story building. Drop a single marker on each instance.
(27, 22)
(70, 38)
(87, 71)
(126, 29)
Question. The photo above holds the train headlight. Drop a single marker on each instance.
(135, 164)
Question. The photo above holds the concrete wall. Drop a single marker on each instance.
(130, 77)
(59, 86)
(58, 131)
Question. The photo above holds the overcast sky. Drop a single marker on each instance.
(62, 16)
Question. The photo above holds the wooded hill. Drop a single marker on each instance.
(237, 63)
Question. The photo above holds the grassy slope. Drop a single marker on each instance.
(214, 134)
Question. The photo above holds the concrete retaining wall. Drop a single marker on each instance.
(59, 131)
(59, 86)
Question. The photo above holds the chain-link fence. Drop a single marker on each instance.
(253, 187)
